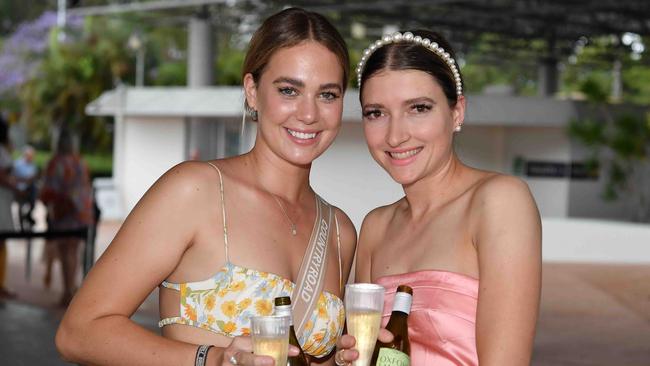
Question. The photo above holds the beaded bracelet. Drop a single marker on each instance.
(202, 354)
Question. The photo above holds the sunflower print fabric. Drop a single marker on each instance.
(225, 303)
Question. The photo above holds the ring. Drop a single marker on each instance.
(233, 360)
(338, 358)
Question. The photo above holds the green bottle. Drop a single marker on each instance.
(283, 308)
(398, 351)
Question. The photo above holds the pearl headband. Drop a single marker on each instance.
(410, 38)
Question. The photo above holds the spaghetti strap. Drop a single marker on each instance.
(223, 211)
(338, 251)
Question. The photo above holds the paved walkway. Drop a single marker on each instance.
(596, 315)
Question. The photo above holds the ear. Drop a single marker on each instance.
(458, 111)
(250, 90)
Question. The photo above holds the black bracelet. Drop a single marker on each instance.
(202, 354)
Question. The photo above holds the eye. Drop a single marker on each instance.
(329, 96)
(371, 114)
(421, 108)
(288, 91)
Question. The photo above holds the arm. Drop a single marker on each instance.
(370, 234)
(508, 240)
(348, 236)
(96, 328)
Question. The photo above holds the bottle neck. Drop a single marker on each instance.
(284, 310)
(402, 302)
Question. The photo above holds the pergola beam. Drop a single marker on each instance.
(140, 7)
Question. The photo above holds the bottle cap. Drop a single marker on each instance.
(282, 300)
(403, 288)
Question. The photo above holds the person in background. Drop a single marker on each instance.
(26, 174)
(7, 190)
(467, 241)
(67, 194)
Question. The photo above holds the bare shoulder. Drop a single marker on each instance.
(188, 182)
(346, 226)
(376, 222)
(503, 192)
(348, 237)
(187, 176)
(503, 203)
(380, 216)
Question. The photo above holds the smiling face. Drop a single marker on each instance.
(299, 101)
(408, 123)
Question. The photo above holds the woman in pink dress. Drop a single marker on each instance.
(467, 241)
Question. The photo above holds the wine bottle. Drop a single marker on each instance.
(283, 308)
(398, 351)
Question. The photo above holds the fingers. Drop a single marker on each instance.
(346, 341)
(345, 353)
(293, 350)
(249, 359)
(244, 344)
(349, 355)
(385, 335)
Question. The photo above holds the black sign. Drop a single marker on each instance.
(560, 170)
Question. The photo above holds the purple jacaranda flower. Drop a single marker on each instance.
(22, 51)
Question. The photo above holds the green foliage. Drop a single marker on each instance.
(98, 164)
(171, 74)
(594, 90)
(620, 145)
(71, 75)
(228, 66)
(593, 64)
(636, 80)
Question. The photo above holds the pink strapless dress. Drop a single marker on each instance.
(443, 316)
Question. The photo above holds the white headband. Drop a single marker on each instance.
(408, 37)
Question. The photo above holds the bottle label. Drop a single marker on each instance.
(402, 302)
(392, 357)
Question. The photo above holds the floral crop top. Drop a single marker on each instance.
(225, 302)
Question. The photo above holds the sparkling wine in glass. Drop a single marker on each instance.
(364, 303)
(271, 337)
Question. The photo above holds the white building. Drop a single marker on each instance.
(153, 132)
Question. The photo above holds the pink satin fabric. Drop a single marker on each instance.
(443, 316)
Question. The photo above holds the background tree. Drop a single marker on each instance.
(619, 147)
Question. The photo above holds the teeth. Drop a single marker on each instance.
(302, 135)
(404, 154)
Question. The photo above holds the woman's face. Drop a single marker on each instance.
(299, 101)
(408, 123)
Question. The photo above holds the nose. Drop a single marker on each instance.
(307, 111)
(397, 133)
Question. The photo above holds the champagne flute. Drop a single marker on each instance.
(364, 303)
(271, 337)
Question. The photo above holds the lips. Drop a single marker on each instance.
(302, 135)
(403, 154)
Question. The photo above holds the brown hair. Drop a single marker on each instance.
(413, 56)
(289, 28)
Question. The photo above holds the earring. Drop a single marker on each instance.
(253, 113)
(243, 125)
(458, 128)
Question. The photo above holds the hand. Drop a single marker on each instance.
(240, 350)
(345, 351)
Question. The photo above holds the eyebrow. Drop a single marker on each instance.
(406, 102)
(374, 105)
(419, 100)
(301, 84)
